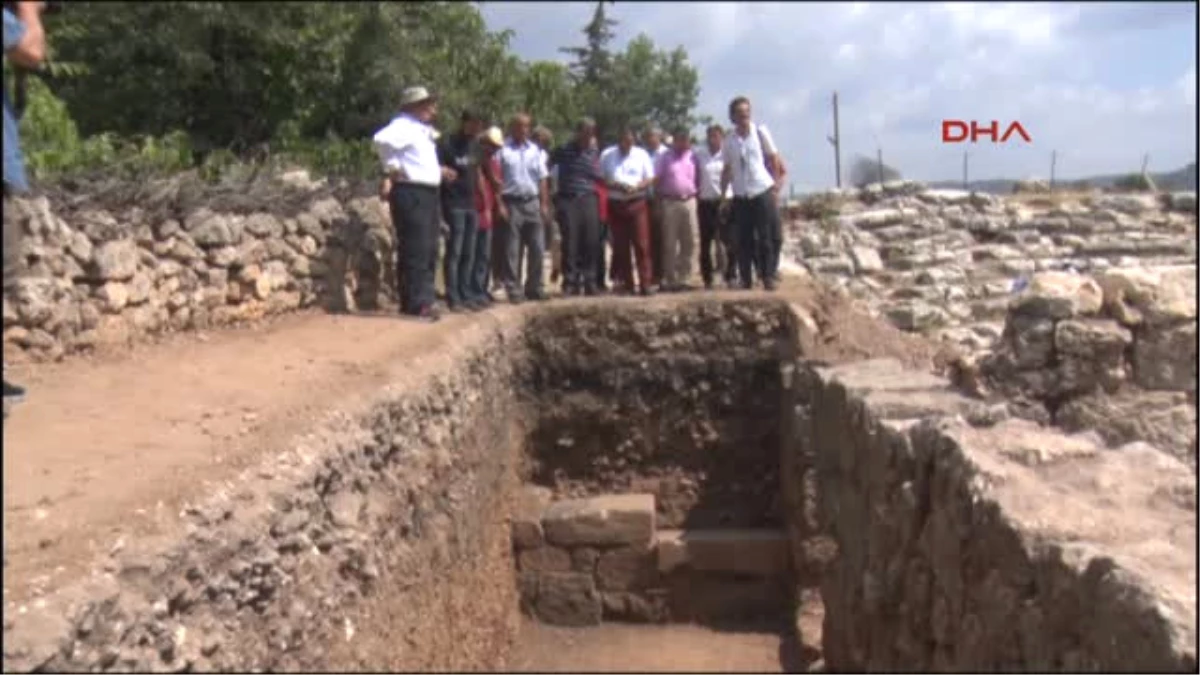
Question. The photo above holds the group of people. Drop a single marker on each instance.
(501, 197)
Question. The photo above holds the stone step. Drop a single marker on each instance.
(745, 552)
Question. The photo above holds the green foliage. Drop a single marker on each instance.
(1134, 182)
(142, 88)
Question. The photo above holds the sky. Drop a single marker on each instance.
(1099, 84)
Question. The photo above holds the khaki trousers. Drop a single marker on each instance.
(678, 240)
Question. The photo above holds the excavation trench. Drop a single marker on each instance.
(602, 464)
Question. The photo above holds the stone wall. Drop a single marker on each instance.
(1115, 352)
(581, 561)
(682, 404)
(967, 544)
(102, 273)
(379, 542)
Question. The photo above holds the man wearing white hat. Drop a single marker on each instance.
(408, 151)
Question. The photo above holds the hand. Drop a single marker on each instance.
(25, 10)
(449, 174)
(502, 210)
(545, 215)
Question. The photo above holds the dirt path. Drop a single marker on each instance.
(625, 648)
(108, 448)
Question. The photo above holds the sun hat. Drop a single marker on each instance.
(415, 95)
(493, 136)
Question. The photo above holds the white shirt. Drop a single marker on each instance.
(711, 164)
(629, 169)
(747, 157)
(409, 144)
(523, 168)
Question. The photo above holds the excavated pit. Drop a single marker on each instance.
(679, 461)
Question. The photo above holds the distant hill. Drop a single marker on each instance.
(1180, 179)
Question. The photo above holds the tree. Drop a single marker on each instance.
(865, 171)
(640, 86)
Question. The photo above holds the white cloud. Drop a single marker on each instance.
(1099, 82)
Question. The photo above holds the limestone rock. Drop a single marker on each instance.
(604, 520)
(1059, 295)
(116, 260)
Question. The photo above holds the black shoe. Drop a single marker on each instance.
(13, 393)
(427, 314)
(684, 288)
(591, 292)
(515, 299)
(770, 284)
(537, 297)
(647, 292)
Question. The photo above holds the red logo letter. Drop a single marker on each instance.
(948, 126)
(1016, 126)
(990, 130)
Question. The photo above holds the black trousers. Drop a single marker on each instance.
(715, 228)
(579, 221)
(415, 216)
(602, 263)
(752, 223)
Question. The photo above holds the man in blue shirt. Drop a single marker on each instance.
(25, 46)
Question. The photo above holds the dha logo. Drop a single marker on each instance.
(957, 131)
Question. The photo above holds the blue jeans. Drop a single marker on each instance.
(457, 265)
(481, 266)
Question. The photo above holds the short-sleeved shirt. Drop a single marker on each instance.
(711, 165)
(14, 161)
(654, 155)
(676, 174)
(578, 168)
(522, 169)
(626, 169)
(461, 153)
(408, 143)
(747, 159)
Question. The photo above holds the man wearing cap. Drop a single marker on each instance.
(578, 167)
(460, 152)
(652, 138)
(486, 193)
(525, 208)
(408, 151)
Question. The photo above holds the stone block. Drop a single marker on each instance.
(601, 521)
(645, 607)
(750, 552)
(626, 568)
(1165, 358)
(567, 599)
(544, 559)
(531, 503)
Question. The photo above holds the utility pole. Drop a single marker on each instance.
(879, 162)
(1145, 162)
(1053, 162)
(836, 141)
(965, 182)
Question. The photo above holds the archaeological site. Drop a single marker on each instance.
(960, 437)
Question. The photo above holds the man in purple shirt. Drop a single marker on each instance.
(675, 172)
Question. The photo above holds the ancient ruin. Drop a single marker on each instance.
(990, 466)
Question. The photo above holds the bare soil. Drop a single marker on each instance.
(113, 446)
(630, 648)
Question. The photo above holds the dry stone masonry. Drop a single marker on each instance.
(1080, 310)
(99, 274)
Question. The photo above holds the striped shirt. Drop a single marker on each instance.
(578, 170)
